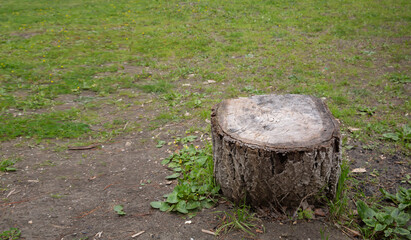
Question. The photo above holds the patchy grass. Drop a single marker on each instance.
(351, 53)
(176, 59)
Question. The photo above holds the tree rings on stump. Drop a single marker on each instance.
(275, 150)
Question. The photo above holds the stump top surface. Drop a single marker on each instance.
(282, 121)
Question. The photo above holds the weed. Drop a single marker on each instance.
(387, 221)
(305, 214)
(119, 209)
(367, 110)
(323, 235)
(56, 196)
(160, 143)
(406, 179)
(185, 140)
(241, 218)
(402, 135)
(196, 187)
(12, 234)
(6, 165)
(339, 206)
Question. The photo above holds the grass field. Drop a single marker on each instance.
(356, 54)
(64, 63)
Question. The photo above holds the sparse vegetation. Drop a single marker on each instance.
(387, 222)
(196, 188)
(240, 218)
(12, 234)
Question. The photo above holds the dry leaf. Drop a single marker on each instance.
(359, 170)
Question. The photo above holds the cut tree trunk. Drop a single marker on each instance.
(275, 150)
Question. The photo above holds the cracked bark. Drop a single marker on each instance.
(274, 150)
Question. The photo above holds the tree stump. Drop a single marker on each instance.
(275, 150)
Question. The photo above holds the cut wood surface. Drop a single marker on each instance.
(275, 150)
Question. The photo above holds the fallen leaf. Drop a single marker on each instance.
(359, 170)
(319, 212)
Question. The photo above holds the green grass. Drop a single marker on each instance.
(112, 56)
(350, 52)
(48, 125)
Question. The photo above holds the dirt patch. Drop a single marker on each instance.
(71, 195)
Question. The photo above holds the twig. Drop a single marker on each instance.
(11, 192)
(22, 201)
(208, 232)
(353, 232)
(138, 234)
(141, 214)
(88, 213)
(125, 126)
(109, 186)
(84, 147)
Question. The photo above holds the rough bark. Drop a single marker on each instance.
(275, 150)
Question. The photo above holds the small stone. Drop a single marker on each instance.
(30, 222)
(128, 144)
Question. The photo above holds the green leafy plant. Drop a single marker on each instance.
(402, 134)
(196, 187)
(6, 165)
(386, 221)
(186, 139)
(402, 197)
(12, 234)
(406, 179)
(241, 218)
(160, 144)
(119, 209)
